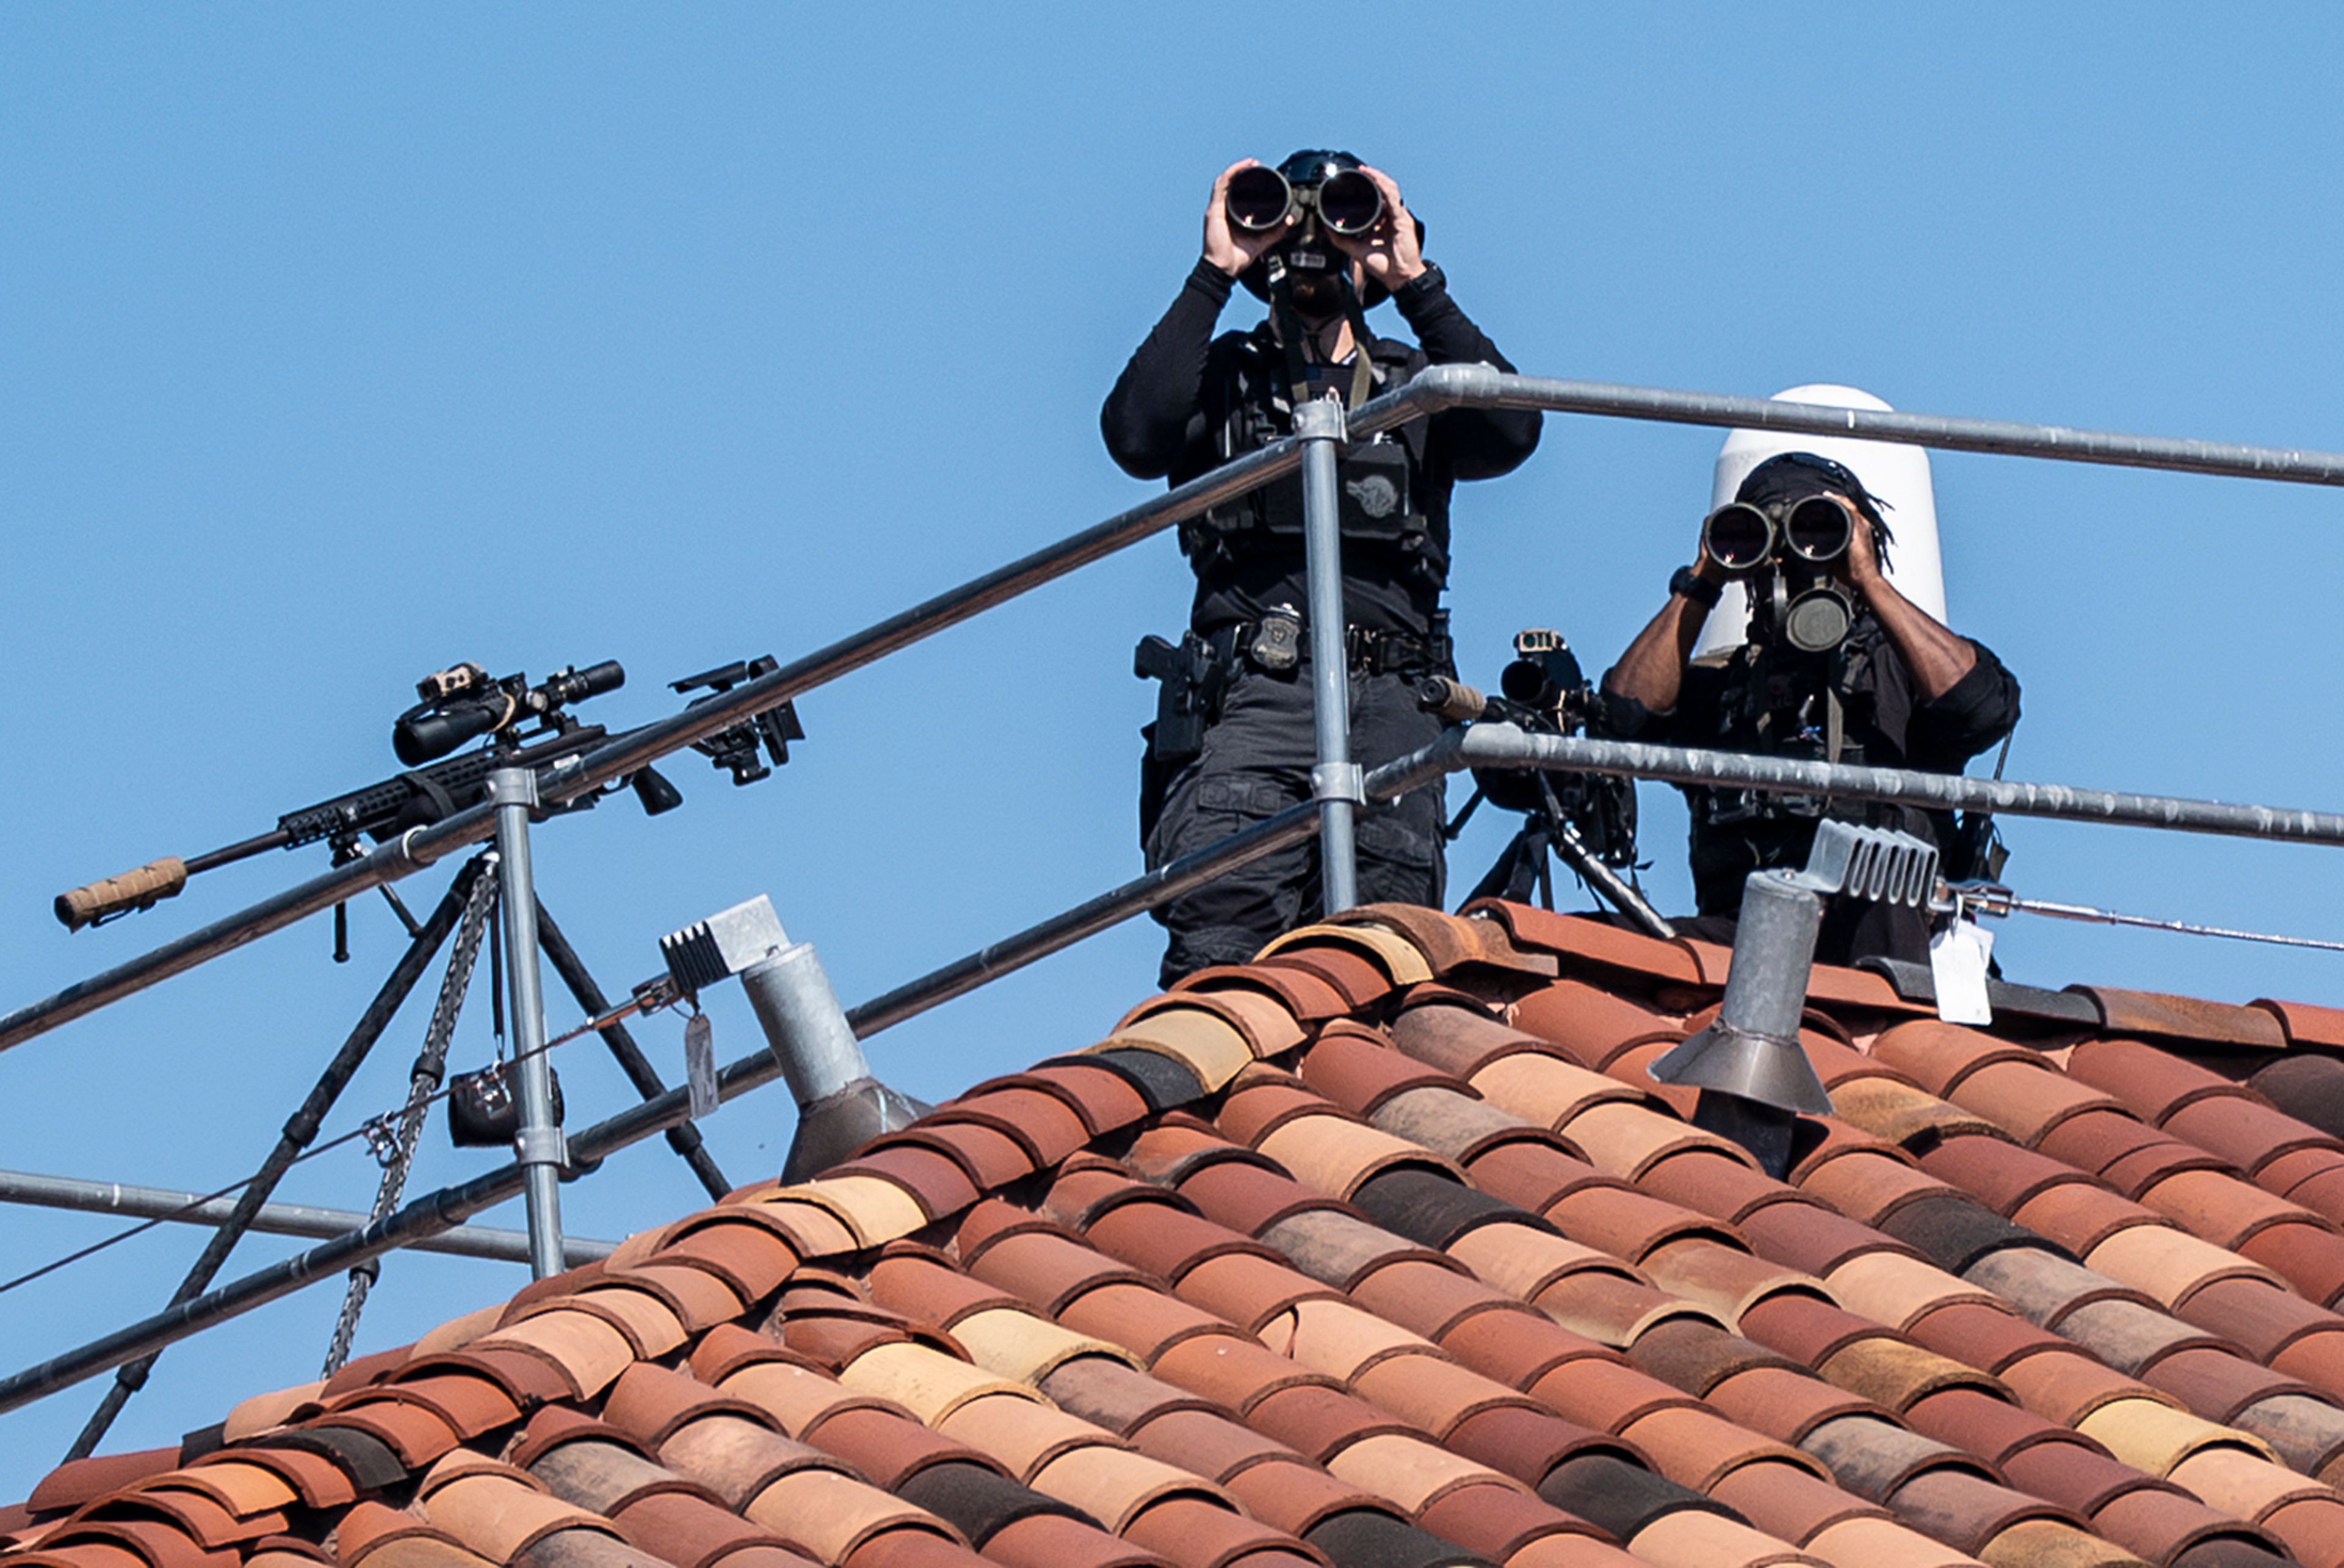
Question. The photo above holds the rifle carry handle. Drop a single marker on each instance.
(124, 895)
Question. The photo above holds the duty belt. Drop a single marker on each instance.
(1384, 652)
(1277, 644)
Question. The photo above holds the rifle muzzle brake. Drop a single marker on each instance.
(124, 895)
(1452, 701)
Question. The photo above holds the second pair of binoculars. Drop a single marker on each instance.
(1741, 537)
(1346, 203)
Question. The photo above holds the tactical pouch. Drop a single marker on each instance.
(1373, 480)
(1373, 503)
(484, 1109)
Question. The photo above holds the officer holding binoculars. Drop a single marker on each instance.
(1321, 239)
(1838, 667)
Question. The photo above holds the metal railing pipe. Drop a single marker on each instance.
(1504, 746)
(1161, 885)
(1480, 386)
(135, 1202)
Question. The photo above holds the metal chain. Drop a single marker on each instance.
(423, 1087)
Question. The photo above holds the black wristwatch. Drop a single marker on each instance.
(1428, 282)
(1690, 585)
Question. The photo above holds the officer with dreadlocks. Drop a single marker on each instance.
(1321, 239)
(1838, 667)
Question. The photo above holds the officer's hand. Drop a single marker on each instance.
(1388, 251)
(1235, 250)
(1860, 568)
(1707, 569)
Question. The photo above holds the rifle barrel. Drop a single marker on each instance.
(275, 838)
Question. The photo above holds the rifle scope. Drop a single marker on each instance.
(462, 704)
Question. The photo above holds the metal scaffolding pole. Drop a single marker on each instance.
(1335, 781)
(513, 792)
(72, 1192)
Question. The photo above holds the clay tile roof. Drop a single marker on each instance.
(1383, 1249)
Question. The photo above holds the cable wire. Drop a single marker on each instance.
(376, 1130)
(2002, 902)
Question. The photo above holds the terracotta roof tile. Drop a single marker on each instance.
(1340, 1249)
(1307, 998)
(1593, 942)
(1590, 1025)
(2247, 1133)
(1708, 1182)
(80, 1481)
(1372, 1339)
(2183, 1019)
(1357, 979)
(1785, 1404)
(1498, 1522)
(2307, 1024)
(1789, 1503)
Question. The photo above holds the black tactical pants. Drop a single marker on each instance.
(1255, 763)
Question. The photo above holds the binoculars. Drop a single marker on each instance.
(1813, 613)
(1347, 202)
(1741, 537)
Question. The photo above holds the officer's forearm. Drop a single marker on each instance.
(1481, 443)
(1939, 657)
(1145, 418)
(1651, 670)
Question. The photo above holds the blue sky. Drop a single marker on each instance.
(346, 343)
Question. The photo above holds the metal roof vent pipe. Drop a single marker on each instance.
(1754, 1080)
(840, 1106)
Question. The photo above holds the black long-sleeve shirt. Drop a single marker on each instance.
(1164, 417)
(1887, 723)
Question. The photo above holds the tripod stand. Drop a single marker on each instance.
(1523, 864)
(474, 896)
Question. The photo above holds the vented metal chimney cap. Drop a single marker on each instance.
(1767, 1068)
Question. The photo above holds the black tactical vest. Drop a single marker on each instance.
(1381, 491)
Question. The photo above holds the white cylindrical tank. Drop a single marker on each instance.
(1896, 473)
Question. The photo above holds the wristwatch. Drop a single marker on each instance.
(1687, 583)
(1428, 281)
